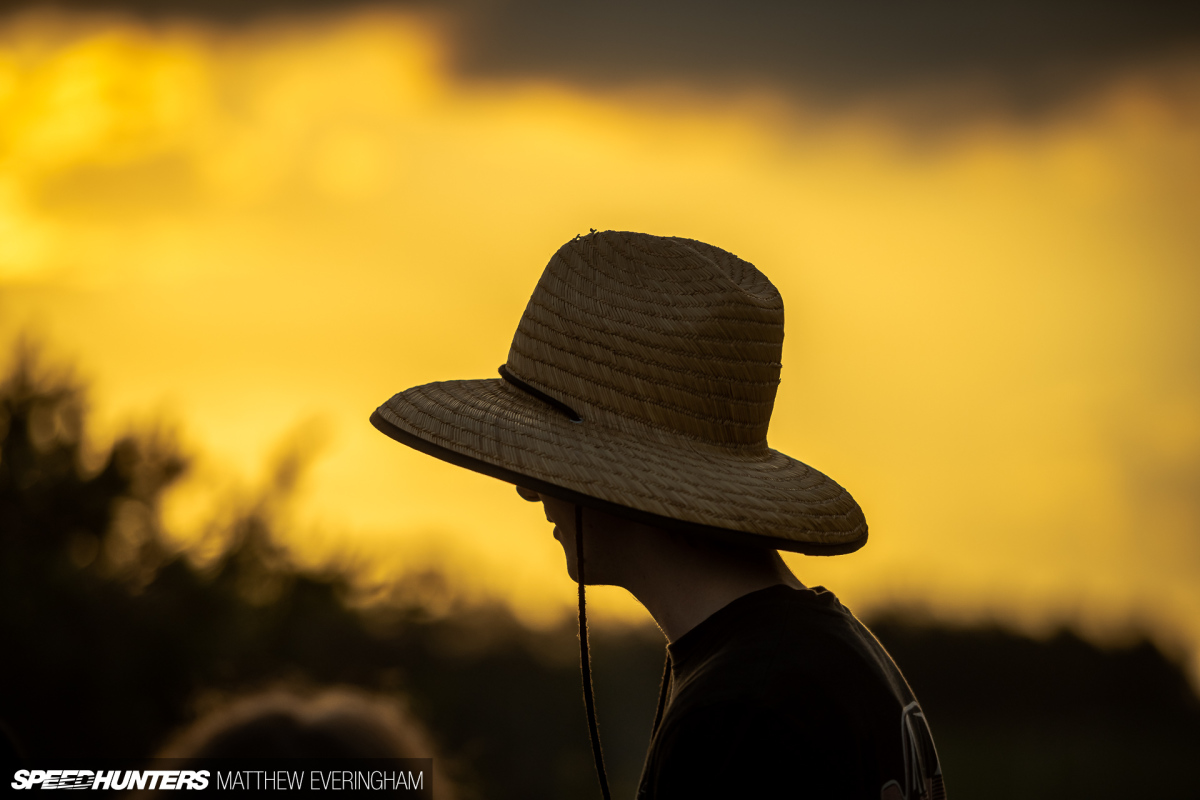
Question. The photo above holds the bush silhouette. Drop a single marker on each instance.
(113, 641)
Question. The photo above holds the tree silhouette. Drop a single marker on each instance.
(113, 639)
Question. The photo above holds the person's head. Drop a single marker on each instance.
(613, 547)
(283, 723)
(340, 723)
(623, 552)
(640, 383)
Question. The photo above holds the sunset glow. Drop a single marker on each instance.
(258, 235)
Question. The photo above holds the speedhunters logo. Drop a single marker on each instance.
(161, 779)
(405, 777)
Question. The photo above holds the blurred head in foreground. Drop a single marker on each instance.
(335, 723)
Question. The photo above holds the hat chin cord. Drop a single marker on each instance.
(585, 659)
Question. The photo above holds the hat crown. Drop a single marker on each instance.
(660, 331)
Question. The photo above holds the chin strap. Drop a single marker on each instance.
(585, 658)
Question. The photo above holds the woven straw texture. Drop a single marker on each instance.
(669, 351)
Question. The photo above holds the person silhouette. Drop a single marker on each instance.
(634, 405)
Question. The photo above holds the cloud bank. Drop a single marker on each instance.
(1022, 59)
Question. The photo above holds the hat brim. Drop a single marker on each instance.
(754, 496)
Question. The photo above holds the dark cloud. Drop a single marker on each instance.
(1026, 56)
(1017, 56)
(221, 11)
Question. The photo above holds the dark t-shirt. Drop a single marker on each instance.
(783, 693)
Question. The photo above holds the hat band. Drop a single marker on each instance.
(557, 405)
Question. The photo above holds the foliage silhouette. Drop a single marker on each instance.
(114, 640)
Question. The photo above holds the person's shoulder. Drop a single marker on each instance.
(809, 627)
(813, 619)
(795, 649)
(784, 604)
(784, 677)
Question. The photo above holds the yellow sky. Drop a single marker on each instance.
(992, 338)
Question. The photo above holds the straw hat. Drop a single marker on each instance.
(641, 381)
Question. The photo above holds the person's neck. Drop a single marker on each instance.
(680, 593)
